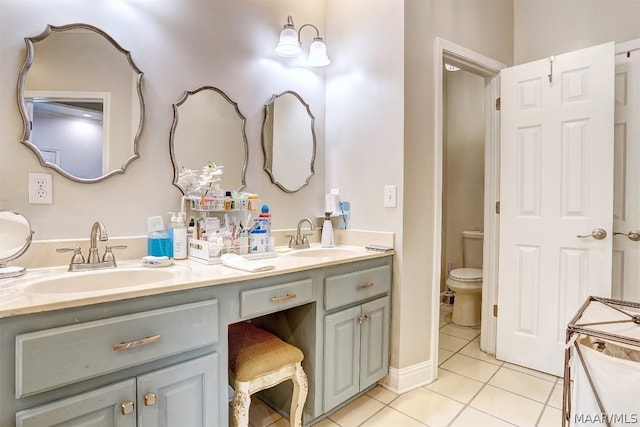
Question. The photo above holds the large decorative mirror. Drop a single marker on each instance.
(15, 238)
(209, 128)
(288, 141)
(80, 97)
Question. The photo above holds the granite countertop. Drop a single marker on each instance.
(16, 299)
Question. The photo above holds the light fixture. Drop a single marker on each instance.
(290, 45)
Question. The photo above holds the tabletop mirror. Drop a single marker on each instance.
(209, 128)
(80, 97)
(15, 238)
(288, 141)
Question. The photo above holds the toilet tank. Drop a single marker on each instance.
(472, 248)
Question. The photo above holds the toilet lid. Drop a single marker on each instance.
(466, 274)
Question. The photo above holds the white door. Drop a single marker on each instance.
(626, 195)
(556, 184)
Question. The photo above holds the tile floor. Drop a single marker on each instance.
(473, 389)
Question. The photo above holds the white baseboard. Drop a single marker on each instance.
(406, 379)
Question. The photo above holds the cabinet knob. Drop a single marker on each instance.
(149, 399)
(127, 407)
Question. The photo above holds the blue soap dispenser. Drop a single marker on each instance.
(158, 241)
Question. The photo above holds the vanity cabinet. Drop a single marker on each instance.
(183, 394)
(356, 348)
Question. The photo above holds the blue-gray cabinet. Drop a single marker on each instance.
(356, 348)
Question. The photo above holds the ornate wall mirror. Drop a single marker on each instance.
(80, 97)
(15, 238)
(288, 141)
(208, 127)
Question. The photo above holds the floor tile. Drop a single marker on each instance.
(382, 394)
(455, 386)
(551, 417)
(470, 367)
(473, 418)
(507, 406)
(443, 355)
(473, 350)
(532, 372)
(522, 384)
(428, 407)
(460, 332)
(356, 412)
(390, 417)
(261, 415)
(325, 423)
(555, 400)
(451, 343)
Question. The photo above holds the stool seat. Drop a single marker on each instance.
(258, 360)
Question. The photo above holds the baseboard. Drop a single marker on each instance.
(406, 379)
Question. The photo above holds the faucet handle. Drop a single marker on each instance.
(77, 257)
(291, 239)
(108, 253)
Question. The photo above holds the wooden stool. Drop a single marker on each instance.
(259, 360)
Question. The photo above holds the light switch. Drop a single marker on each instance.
(389, 196)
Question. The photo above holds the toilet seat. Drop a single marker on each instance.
(466, 275)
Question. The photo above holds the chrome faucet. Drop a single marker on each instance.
(300, 240)
(98, 233)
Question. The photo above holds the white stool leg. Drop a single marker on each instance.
(241, 403)
(300, 390)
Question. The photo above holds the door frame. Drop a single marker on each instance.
(489, 69)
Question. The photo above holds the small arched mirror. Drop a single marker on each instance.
(80, 97)
(288, 141)
(15, 238)
(208, 128)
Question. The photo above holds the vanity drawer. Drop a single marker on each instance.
(356, 286)
(256, 302)
(55, 357)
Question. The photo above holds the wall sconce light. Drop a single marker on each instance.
(290, 45)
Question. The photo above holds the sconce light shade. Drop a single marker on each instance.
(318, 53)
(288, 45)
(291, 46)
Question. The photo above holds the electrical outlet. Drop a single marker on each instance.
(40, 188)
(389, 196)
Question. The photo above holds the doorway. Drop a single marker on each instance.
(488, 69)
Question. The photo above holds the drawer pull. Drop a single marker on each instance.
(149, 399)
(126, 407)
(136, 343)
(283, 298)
(365, 285)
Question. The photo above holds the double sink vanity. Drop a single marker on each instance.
(138, 346)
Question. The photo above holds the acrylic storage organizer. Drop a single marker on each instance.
(602, 365)
(222, 204)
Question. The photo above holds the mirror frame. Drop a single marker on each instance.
(174, 125)
(267, 156)
(23, 111)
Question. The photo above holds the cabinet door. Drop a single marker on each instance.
(374, 350)
(105, 407)
(185, 394)
(342, 357)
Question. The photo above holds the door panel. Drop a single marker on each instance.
(374, 350)
(556, 184)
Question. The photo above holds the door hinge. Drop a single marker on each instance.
(498, 207)
(495, 310)
(498, 104)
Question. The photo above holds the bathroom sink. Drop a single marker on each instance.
(97, 280)
(323, 253)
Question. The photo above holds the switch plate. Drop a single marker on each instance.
(40, 188)
(389, 196)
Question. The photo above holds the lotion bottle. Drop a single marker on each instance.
(327, 232)
(180, 237)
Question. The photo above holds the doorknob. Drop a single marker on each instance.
(598, 234)
(632, 235)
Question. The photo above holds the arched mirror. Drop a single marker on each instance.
(209, 128)
(15, 238)
(288, 141)
(80, 97)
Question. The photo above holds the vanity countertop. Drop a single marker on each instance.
(186, 274)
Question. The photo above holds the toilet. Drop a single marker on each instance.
(466, 282)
